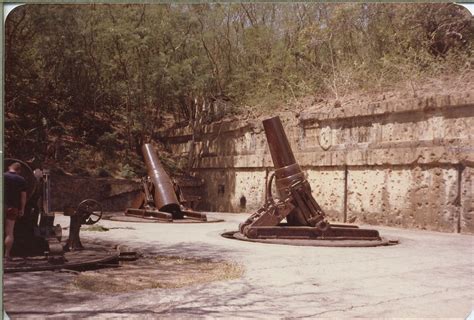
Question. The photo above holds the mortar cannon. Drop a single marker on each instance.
(160, 197)
(305, 218)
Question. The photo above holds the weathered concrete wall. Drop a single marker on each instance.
(113, 194)
(404, 196)
(400, 163)
(327, 184)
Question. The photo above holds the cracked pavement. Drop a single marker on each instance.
(429, 274)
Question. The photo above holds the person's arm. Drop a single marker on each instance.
(22, 202)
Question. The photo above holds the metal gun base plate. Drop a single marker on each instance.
(313, 242)
(91, 256)
(120, 216)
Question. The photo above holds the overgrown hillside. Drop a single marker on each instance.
(86, 85)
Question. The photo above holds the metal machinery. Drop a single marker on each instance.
(43, 238)
(33, 238)
(305, 218)
(161, 199)
(88, 212)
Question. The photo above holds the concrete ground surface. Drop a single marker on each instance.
(428, 275)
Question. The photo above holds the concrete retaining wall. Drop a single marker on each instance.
(398, 163)
(113, 194)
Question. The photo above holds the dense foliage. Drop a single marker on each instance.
(86, 85)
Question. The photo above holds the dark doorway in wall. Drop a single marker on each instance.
(220, 190)
(243, 202)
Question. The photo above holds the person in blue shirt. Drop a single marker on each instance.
(14, 202)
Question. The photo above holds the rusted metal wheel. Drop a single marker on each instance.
(90, 210)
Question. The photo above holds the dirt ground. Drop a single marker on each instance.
(43, 289)
(150, 272)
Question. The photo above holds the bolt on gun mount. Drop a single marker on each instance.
(305, 218)
(159, 199)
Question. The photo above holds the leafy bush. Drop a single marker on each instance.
(126, 172)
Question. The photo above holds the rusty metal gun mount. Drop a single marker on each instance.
(38, 244)
(88, 212)
(33, 238)
(161, 199)
(306, 223)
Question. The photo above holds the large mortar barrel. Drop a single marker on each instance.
(164, 194)
(287, 171)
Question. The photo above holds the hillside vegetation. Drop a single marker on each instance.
(86, 85)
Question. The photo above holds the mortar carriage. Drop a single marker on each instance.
(161, 199)
(306, 222)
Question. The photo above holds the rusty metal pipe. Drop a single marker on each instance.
(164, 194)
